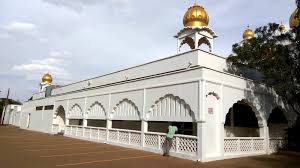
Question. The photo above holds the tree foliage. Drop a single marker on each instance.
(275, 56)
(9, 101)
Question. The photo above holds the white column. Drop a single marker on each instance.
(196, 40)
(221, 140)
(108, 126)
(84, 123)
(144, 126)
(200, 141)
(264, 132)
(211, 41)
(84, 113)
(144, 130)
(178, 45)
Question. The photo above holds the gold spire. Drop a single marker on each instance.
(248, 34)
(47, 78)
(295, 19)
(196, 16)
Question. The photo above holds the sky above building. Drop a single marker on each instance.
(79, 39)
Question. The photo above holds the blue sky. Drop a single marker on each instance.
(79, 39)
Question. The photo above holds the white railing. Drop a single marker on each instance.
(243, 145)
(128, 137)
(96, 133)
(55, 128)
(275, 144)
(183, 144)
(68, 130)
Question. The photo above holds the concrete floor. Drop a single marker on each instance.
(27, 149)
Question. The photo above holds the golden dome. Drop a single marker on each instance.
(47, 78)
(295, 19)
(248, 34)
(282, 28)
(196, 16)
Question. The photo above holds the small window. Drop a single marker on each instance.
(49, 107)
(38, 108)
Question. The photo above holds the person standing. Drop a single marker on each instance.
(168, 142)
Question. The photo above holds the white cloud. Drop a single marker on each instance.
(21, 30)
(79, 5)
(20, 27)
(76, 5)
(36, 68)
(60, 54)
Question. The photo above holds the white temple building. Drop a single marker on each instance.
(219, 115)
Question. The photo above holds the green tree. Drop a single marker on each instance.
(275, 56)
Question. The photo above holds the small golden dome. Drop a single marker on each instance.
(248, 34)
(295, 19)
(282, 28)
(47, 78)
(196, 16)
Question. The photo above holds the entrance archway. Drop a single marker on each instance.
(241, 121)
(61, 119)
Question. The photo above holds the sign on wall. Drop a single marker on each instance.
(210, 110)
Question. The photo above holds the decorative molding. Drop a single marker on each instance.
(213, 94)
(96, 110)
(125, 108)
(170, 106)
(75, 111)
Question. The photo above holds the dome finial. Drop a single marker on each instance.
(47, 78)
(282, 28)
(248, 33)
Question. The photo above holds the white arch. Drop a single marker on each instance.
(96, 111)
(60, 118)
(125, 110)
(59, 109)
(189, 41)
(75, 112)
(205, 41)
(170, 108)
(259, 116)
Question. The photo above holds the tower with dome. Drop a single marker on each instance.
(46, 81)
(219, 115)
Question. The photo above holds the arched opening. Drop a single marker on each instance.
(278, 130)
(187, 44)
(204, 44)
(241, 121)
(61, 119)
(277, 124)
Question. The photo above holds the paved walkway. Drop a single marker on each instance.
(27, 149)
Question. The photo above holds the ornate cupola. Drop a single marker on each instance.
(196, 31)
(46, 81)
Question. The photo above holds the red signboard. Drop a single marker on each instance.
(210, 110)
